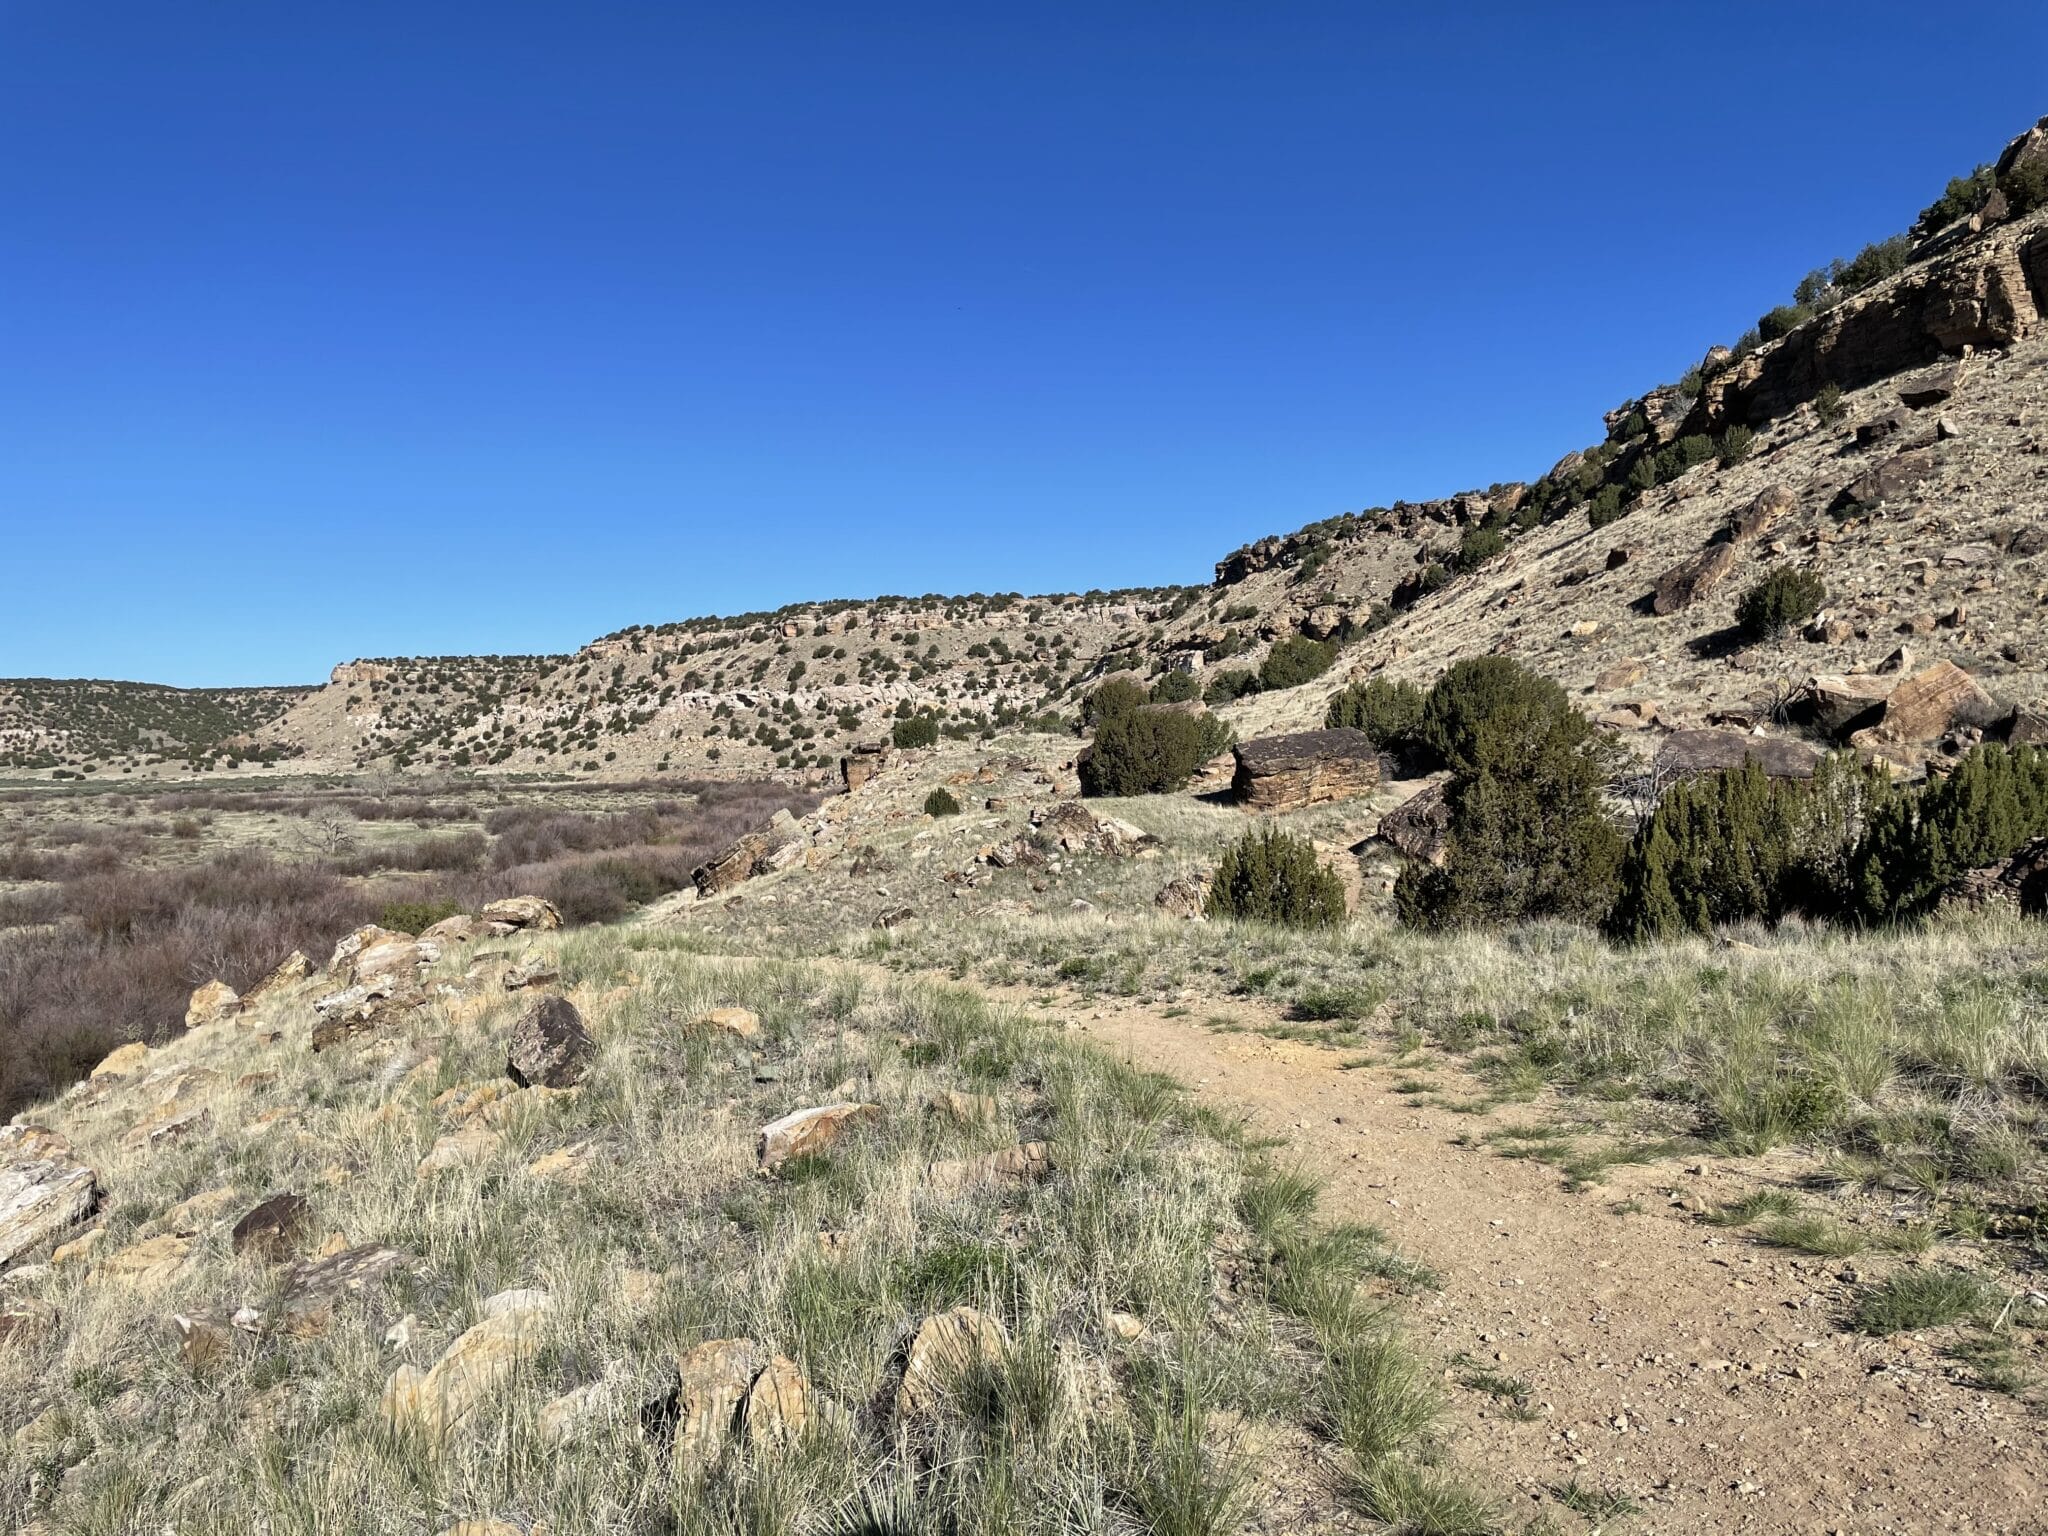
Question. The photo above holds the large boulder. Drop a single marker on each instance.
(522, 912)
(1839, 704)
(1287, 773)
(1696, 576)
(1926, 705)
(1687, 754)
(44, 1189)
(550, 1047)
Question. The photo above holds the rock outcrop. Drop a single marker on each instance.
(1688, 754)
(44, 1189)
(1275, 774)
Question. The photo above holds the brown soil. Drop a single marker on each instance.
(1703, 1376)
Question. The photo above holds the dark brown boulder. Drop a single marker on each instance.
(550, 1047)
(1686, 754)
(274, 1229)
(1419, 826)
(1893, 480)
(1286, 773)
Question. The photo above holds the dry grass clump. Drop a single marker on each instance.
(1257, 1338)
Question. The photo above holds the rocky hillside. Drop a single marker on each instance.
(71, 725)
(1883, 433)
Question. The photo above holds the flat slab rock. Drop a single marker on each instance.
(44, 1189)
(1283, 773)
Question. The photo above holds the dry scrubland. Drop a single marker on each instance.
(1174, 1341)
(115, 903)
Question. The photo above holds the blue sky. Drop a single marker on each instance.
(385, 328)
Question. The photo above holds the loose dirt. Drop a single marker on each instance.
(1706, 1378)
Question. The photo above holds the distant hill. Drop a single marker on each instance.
(68, 725)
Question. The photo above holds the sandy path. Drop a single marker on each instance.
(1700, 1374)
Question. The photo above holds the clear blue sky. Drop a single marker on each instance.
(373, 328)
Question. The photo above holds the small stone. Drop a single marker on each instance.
(743, 1022)
(274, 1229)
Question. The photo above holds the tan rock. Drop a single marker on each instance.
(946, 1345)
(166, 1126)
(196, 1213)
(714, 1379)
(26, 1321)
(469, 1147)
(1928, 703)
(79, 1249)
(778, 1404)
(807, 1131)
(524, 912)
(148, 1264)
(211, 1004)
(564, 1419)
(474, 1369)
(465, 1101)
(125, 1061)
(1027, 1163)
(564, 1165)
(743, 1022)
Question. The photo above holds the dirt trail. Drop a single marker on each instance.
(1698, 1373)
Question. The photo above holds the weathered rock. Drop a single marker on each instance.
(290, 971)
(170, 1124)
(2019, 883)
(862, 764)
(1027, 1163)
(1695, 577)
(1623, 674)
(945, 1347)
(1932, 387)
(746, 857)
(550, 1047)
(363, 1009)
(153, 1262)
(1420, 826)
(808, 1131)
(275, 1229)
(1275, 774)
(196, 1213)
(743, 1022)
(522, 912)
(533, 971)
(1882, 428)
(1983, 293)
(778, 1404)
(437, 1402)
(1929, 703)
(210, 1004)
(1895, 479)
(1837, 704)
(1686, 754)
(1184, 896)
(713, 1380)
(123, 1061)
(564, 1419)
(459, 929)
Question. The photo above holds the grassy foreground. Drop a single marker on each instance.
(1181, 1340)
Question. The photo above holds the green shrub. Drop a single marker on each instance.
(1963, 197)
(1827, 404)
(1118, 696)
(2026, 186)
(1294, 661)
(1387, 710)
(940, 802)
(415, 916)
(1271, 876)
(1606, 506)
(917, 731)
(1480, 545)
(1783, 320)
(1735, 845)
(1528, 836)
(1230, 685)
(1149, 751)
(1787, 596)
(1176, 688)
(1917, 844)
(1874, 263)
(1735, 445)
